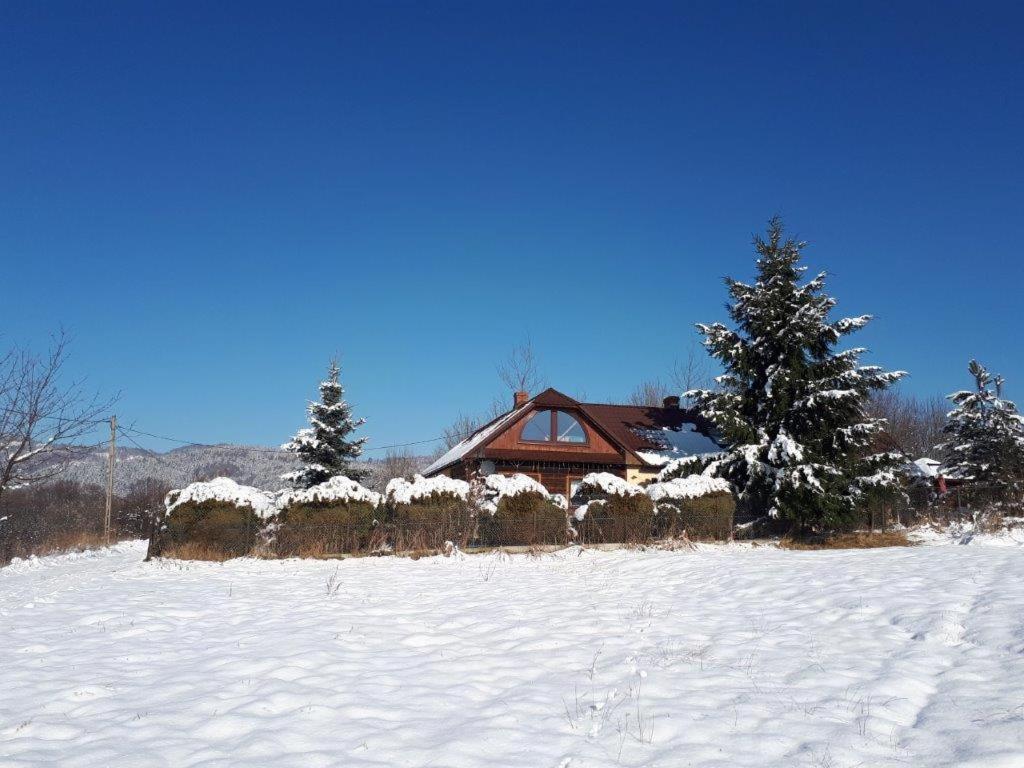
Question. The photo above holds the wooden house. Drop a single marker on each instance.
(557, 440)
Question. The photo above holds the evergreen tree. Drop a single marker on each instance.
(985, 437)
(790, 407)
(325, 448)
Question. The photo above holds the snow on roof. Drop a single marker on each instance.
(925, 467)
(402, 491)
(338, 488)
(611, 484)
(691, 487)
(497, 487)
(456, 452)
(223, 489)
(675, 443)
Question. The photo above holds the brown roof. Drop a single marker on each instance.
(631, 427)
(627, 424)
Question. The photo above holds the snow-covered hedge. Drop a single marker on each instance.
(337, 490)
(498, 487)
(521, 512)
(334, 517)
(214, 518)
(424, 513)
(697, 505)
(402, 491)
(609, 484)
(222, 490)
(617, 511)
(691, 487)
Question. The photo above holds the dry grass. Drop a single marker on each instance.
(197, 550)
(60, 543)
(859, 540)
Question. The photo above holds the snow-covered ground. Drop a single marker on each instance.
(728, 656)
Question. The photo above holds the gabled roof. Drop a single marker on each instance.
(653, 435)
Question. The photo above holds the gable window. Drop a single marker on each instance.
(550, 426)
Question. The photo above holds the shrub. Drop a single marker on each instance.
(337, 516)
(617, 519)
(706, 517)
(219, 526)
(617, 511)
(316, 529)
(701, 507)
(424, 513)
(219, 516)
(527, 518)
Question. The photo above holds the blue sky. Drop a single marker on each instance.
(214, 201)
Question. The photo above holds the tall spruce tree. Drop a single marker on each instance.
(325, 448)
(790, 407)
(985, 437)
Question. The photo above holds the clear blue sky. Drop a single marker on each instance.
(215, 200)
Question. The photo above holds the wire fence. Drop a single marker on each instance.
(521, 521)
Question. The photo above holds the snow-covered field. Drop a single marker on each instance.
(728, 656)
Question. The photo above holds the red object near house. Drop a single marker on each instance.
(940, 482)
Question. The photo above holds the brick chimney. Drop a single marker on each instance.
(521, 398)
(672, 401)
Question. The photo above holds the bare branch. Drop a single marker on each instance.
(520, 371)
(41, 416)
(650, 393)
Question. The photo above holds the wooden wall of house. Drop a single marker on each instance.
(595, 442)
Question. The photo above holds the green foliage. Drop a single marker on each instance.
(524, 519)
(429, 522)
(217, 525)
(328, 528)
(325, 447)
(790, 406)
(985, 441)
(625, 519)
(706, 517)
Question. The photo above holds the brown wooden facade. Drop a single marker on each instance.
(557, 440)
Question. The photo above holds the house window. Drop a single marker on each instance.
(551, 426)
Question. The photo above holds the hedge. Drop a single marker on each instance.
(524, 519)
(327, 528)
(428, 522)
(704, 517)
(617, 519)
(219, 526)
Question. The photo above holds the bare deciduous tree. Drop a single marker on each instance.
(457, 431)
(914, 426)
(650, 393)
(41, 415)
(520, 372)
(692, 372)
(396, 463)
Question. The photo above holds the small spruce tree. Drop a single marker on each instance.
(326, 448)
(985, 437)
(790, 408)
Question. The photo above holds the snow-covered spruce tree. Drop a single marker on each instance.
(790, 407)
(326, 448)
(985, 438)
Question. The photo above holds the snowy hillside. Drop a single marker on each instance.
(728, 656)
(249, 465)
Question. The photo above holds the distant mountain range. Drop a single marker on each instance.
(250, 465)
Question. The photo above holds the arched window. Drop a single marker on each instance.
(550, 426)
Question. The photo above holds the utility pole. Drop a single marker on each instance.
(110, 479)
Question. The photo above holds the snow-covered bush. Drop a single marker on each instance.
(218, 518)
(336, 516)
(424, 513)
(517, 510)
(617, 511)
(698, 505)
